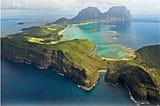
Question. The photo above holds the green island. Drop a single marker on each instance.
(42, 46)
(45, 47)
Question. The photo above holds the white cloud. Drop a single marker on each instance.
(58, 4)
(76, 5)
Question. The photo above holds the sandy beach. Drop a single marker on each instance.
(85, 23)
(60, 32)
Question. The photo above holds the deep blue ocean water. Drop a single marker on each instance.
(10, 18)
(25, 84)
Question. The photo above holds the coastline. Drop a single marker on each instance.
(130, 94)
(60, 32)
(114, 85)
(87, 88)
(85, 23)
(102, 71)
(134, 56)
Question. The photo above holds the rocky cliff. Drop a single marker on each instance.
(141, 75)
(66, 57)
(93, 14)
(117, 13)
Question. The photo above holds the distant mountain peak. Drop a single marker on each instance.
(119, 7)
(89, 13)
(114, 14)
(119, 11)
(90, 8)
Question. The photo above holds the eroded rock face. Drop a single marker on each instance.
(89, 13)
(119, 13)
(93, 14)
(53, 59)
(141, 79)
(141, 85)
(22, 55)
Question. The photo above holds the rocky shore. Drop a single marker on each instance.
(66, 57)
(141, 78)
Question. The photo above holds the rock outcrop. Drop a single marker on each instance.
(72, 58)
(141, 75)
(93, 14)
(117, 13)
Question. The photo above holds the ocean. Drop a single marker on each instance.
(113, 41)
(24, 84)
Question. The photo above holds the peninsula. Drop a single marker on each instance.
(72, 58)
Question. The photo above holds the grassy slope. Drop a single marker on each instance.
(77, 51)
(140, 73)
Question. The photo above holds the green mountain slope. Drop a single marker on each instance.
(141, 75)
(72, 58)
(93, 14)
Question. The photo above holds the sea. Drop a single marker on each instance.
(24, 84)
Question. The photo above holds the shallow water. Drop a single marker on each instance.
(25, 84)
(113, 41)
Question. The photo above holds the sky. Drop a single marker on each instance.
(135, 6)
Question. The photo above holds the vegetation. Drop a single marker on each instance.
(93, 14)
(35, 45)
(141, 75)
(149, 56)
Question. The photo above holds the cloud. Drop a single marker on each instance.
(136, 6)
(64, 5)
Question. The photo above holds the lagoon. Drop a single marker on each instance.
(25, 84)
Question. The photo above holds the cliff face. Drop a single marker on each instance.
(149, 56)
(66, 57)
(141, 79)
(118, 13)
(93, 14)
(54, 59)
(87, 14)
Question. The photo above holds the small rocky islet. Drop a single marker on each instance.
(45, 47)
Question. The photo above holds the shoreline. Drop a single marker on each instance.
(133, 99)
(119, 59)
(85, 23)
(130, 95)
(87, 88)
(60, 32)
(114, 85)
(102, 71)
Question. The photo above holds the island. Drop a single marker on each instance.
(42, 46)
(93, 15)
(141, 75)
(46, 48)
(20, 23)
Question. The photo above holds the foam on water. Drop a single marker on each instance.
(103, 37)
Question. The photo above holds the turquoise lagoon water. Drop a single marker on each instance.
(113, 41)
(25, 84)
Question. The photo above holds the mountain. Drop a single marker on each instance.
(120, 13)
(93, 14)
(89, 13)
(141, 75)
